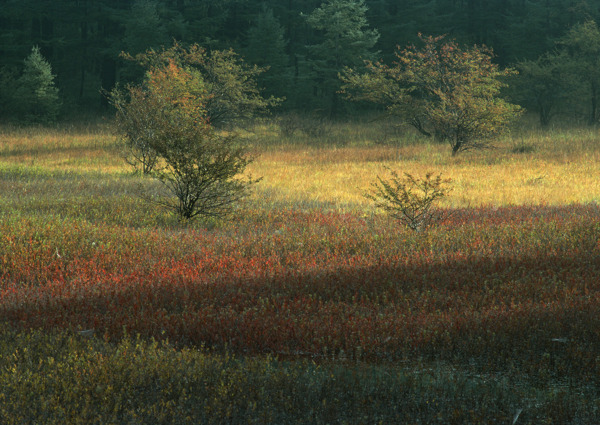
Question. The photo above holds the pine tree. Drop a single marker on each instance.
(582, 42)
(144, 29)
(36, 97)
(266, 48)
(346, 43)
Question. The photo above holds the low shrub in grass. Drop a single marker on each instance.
(411, 200)
(167, 127)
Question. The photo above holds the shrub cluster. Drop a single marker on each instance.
(167, 126)
(411, 200)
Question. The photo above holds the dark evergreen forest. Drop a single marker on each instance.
(304, 50)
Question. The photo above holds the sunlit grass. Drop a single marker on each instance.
(64, 149)
(560, 170)
(562, 167)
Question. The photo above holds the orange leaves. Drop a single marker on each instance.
(179, 88)
(218, 83)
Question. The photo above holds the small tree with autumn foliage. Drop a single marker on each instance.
(167, 117)
(442, 90)
(229, 89)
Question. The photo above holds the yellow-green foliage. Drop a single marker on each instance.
(442, 89)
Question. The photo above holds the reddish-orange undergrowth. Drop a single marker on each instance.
(491, 284)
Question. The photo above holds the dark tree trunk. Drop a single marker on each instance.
(108, 77)
(47, 33)
(418, 124)
(36, 29)
(544, 118)
(333, 113)
(108, 60)
(84, 35)
(545, 113)
(594, 111)
(456, 146)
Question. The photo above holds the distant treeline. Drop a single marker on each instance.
(303, 48)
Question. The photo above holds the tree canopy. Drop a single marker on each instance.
(304, 44)
(443, 90)
(228, 88)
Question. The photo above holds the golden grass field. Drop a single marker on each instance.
(558, 167)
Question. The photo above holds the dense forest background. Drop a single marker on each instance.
(547, 40)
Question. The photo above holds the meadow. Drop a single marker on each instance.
(307, 305)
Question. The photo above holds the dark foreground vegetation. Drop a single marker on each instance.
(58, 378)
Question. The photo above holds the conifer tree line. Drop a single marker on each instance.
(73, 47)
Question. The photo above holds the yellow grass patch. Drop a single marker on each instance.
(68, 150)
(497, 177)
(562, 168)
